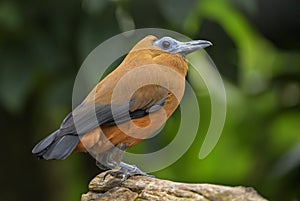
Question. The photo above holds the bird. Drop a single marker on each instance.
(129, 105)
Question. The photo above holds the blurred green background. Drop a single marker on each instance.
(256, 49)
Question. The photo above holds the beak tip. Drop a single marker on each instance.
(209, 43)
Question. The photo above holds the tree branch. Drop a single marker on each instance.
(141, 188)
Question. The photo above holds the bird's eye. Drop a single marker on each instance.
(166, 44)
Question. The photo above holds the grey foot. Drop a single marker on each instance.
(126, 171)
(101, 166)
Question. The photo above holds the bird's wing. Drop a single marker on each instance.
(85, 118)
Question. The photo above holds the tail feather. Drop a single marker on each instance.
(43, 144)
(56, 146)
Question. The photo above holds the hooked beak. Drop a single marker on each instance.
(185, 48)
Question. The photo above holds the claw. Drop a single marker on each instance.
(107, 173)
(125, 172)
(117, 173)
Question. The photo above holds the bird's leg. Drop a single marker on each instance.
(120, 168)
(102, 161)
(111, 158)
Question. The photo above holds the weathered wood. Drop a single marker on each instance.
(141, 188)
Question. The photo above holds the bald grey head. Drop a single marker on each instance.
(173, 46)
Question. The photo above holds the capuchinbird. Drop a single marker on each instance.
(128, 105)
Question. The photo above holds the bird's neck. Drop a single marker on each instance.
(156, 57)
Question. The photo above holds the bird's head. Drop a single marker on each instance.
(173, 46)
(170, 45)
(165, 51)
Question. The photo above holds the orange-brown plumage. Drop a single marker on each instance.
(141, 55)
(130, 104)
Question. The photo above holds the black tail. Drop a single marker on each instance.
(56, 146)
